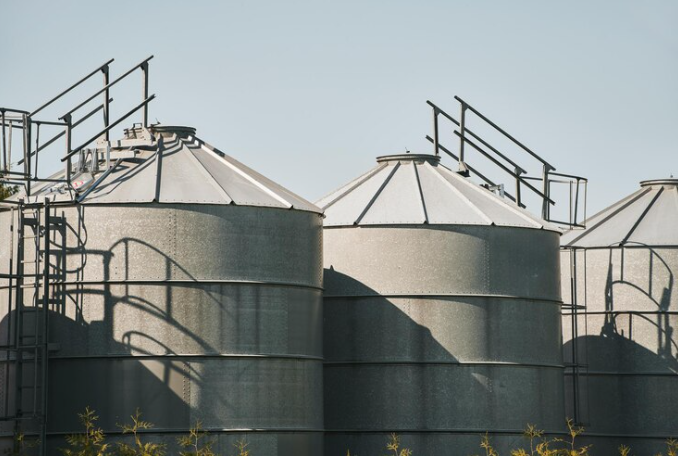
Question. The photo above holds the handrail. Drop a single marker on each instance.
(70, 88)
(505, 169)
(18, 111)
(478, 138)
(108, 128)
(476, 172)
(106, 87)
(500, 130)
(60, 134)
(504, 163)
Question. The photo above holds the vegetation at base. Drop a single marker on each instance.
(92, 442)
(22, 446)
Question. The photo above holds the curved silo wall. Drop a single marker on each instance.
(209, 313)
(440, 333)
(627, 346)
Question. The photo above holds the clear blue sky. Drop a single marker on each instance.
(309, 92)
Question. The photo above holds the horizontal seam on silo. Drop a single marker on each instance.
(585, 373)
(472, 431)
(442, 363)
(443, 295)
(190, 356)
(160, 430)
(173, 281)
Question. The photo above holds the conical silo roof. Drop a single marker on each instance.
(647, 217)
(414, 189)
(181, 169)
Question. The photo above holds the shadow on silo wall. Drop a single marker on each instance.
(439, 371)
(129, 340)
(626, 387)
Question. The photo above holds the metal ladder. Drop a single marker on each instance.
(25, 346)
(578, 367)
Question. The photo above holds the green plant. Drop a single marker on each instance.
(22, 445)
(394, 445)
(195, 443)
(139, 448)
(241, 445)
(89, 443)
(571, 445)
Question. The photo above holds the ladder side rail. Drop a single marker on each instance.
(18, 397)
(45, 322)
(11, 315)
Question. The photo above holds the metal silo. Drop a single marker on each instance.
(182, 283)
(441, 313)
(619, 338)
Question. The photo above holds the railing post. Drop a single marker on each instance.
(27, 152)
(5, 163)
(105, 71)
(69, 127)
(436, 145)
(462, 136)
(518, 171)
(545, 212)
(144, 69)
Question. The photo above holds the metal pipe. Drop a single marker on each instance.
(462, 137)
(500, 130)
(75, 124)
(135, 109)
(27, 153)
(144, 93)
(517, 171)
(105, 70)
(5, 163)
(545, 205)
(45, 332)
(435, 132)
(504, 168)
(68, 148)
(70, 88)
(37, 146)
(476, 172)
(9, 148)
(106, 87)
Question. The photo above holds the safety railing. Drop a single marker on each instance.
(29, 126)
(542, 186)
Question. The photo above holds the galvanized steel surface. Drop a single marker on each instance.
(184, 170)
(646, 217)
(626, 262)
(189, 312)
(438, 332)
(417, 189)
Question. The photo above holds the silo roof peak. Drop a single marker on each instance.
(415, 189)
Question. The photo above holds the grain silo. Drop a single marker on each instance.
(181, 283)
(620, 339)
(441, 310)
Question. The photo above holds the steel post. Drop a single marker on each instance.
(105, 71)
(144, 69)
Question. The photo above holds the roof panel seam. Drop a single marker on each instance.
(421, 192)
(377, 193)
(460, 194)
